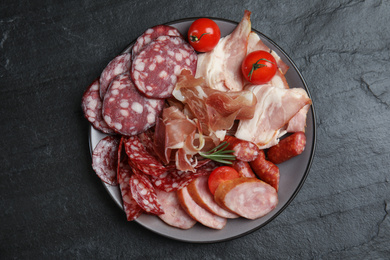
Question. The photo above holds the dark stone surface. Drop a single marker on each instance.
(53, 206)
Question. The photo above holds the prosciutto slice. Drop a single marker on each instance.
(274, 109)
(221, 66)
(216, 110)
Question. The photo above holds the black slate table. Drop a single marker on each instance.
(52, 204)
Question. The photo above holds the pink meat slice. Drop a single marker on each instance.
(117, 66)
(174, 215)
(126, 110)
(200, 193)
(151, 34)
(130, 206)
(92, 108)
(155, 69)
(198, 213)
(105, 159)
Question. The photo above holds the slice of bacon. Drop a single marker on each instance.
(274, 109)
(221, 67)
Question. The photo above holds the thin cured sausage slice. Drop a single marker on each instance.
(92, 108)
(155, 69)
(141, 159)
(144, 193)
(173, 179)
(200, 193)
(151, 34)
(250, 198)
(130, 206)
(120, 64)
(105, 159)
(126, 111)
(174, 215)
(198, 213)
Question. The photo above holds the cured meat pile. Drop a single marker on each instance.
(162, 104)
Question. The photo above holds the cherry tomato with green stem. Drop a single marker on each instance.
(259, 67)
(203, 34)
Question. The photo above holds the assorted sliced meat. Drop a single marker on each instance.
(161, 104)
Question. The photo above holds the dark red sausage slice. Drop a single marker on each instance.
(130, 206)
(144, 193)
(155, 69)
(151, 34)
(127, 111)
(92, 108)
(105, 159)
(120, 64)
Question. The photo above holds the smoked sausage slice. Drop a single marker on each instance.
(250, 198)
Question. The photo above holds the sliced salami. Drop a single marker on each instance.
(173, 179)
(174, 215)
(155, 69)
(92, 108)
(130, 206)
(126, 111)
(141, 159)
(151, 34)
(117, 66)
(105, 159)
(144, 193)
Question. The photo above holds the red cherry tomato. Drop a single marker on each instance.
(204, 34)
(219, 175)
(259, 67)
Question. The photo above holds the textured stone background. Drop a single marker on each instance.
(53, 206)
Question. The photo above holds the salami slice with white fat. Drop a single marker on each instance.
(151, 34)
(140, 158)
(198, 213)
(200, 193)
(127, 111)
(117, 66)
(155, 69)
(105, 159)
(173, 179)
(144, 193)
(174, 215)
(250, 198)
(130, 206)
(92, 108)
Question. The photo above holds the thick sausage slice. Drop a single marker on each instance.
(200, 193)
(174, 215)
(250, 198)
(198, 213)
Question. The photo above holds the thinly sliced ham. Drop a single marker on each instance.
(221, 67)
(298, 122)
(274, 109)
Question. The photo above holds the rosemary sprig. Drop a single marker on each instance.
(219, 154)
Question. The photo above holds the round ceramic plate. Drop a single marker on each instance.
(292, 173)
